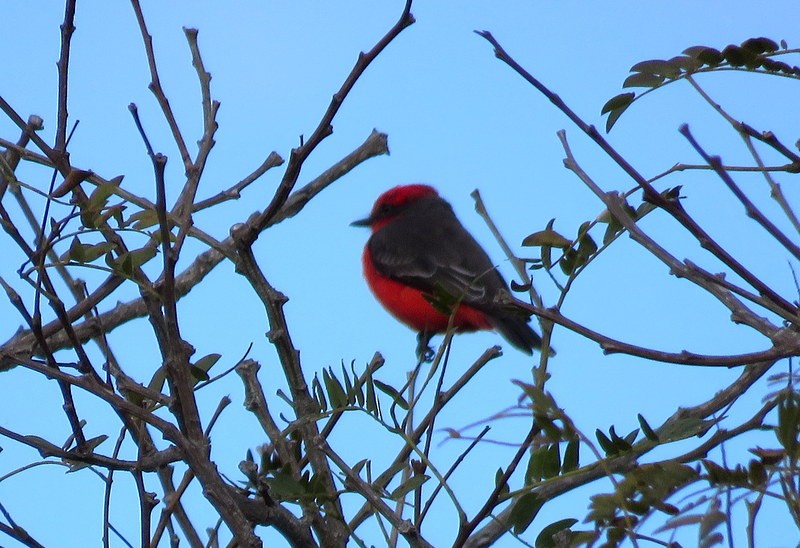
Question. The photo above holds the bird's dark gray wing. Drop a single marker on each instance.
(427, 247)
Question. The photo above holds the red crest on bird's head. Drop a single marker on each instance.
(403, 194)
(392, 202)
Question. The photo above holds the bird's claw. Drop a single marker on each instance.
(425, 353)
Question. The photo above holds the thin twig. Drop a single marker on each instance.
(16, 532)
(672, 207)
(233, 193)
(450, 471)
(404, 527)
(158, 91)
(493, 500)
(752, 211)
(766, 170)
(107, 494)
(384, 478)
(202, 265)
(325, 128)
(67, 29)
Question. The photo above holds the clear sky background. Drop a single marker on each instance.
(458, 119)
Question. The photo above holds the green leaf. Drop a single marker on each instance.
(658, 67)
(498, 477)
(788, 429)
(776, 66)
(712, 519)
(615, 107)
(548, 426)
(409, 485)
(348, 386)
(537, 396)
(760, 45)
(620, 444)
(571, 456)
(140, 256)
(371, 400)
(120, 264)
(127, 262)
(441, 300)
(708, 56)
(94, 252)
(93, 443)
(545, 538)
(586, 247)
(524, 510)
(605, 443)
(552, 462)
(683, 428)
(204, 365)
(569, 262)
(336, 393)
(518, 287)
(686, 63)
(648, 432)
(76, 251)
(547, 237)
(738, 57)
(643, 209)
(319, 394)
(392, 393)
(159, 378)
(198, 374)
(358, 385)
(283, 486)
(613, 228)
(756, 473)
(535, 470)
(643, 80)
(99, 196)
(85, 253)
(143, 219)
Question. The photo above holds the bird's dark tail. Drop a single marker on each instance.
(517, 331)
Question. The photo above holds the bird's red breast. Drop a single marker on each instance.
(410, 306)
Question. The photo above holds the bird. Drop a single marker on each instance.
(421, 263)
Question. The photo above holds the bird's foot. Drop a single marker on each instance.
(425, 353)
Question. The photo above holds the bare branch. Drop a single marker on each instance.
(619, 464)
(752, 211)
(383, 479)
(158, 91)
(375, 145)
(67, 28)
(466, 529)
(324, 128)
(273, 160)
(256, 402)
(404, 527)
(16, 532)
(673, 207)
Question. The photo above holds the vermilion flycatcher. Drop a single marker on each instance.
(419, 249)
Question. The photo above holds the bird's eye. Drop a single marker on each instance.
(386, 210)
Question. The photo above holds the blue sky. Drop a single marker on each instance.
(458, 119)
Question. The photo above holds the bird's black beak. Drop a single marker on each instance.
(362, 222)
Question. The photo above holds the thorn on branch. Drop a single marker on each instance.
(275, 335)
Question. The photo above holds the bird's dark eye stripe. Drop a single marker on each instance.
(387, 209)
